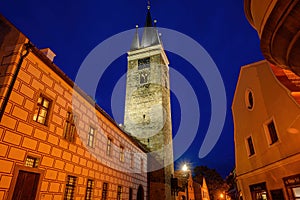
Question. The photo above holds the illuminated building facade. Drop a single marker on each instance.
(266, 113)
(55, 142)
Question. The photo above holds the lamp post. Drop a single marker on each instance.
(186, 175)
(223, 195)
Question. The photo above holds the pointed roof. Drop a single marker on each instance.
(136, 40)
(148, 18)
(150, 34)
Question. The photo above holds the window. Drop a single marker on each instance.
(69, 132)
(272, 132)
(130, 193)
(31, 162)
(122, 156)
(119, 193)
(277, 194)
(91, 136)
(42, 110)
(131, 160)
(108, 148)
(292, 185)
(250, 146)
(89, 189)
(296, 192)
(249, 99)
(70, 188)
(142, 165)
(259, 191)
(144, 63)
(104, 191)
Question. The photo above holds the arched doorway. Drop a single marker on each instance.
(140, 193)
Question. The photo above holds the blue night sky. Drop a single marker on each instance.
(72, 29)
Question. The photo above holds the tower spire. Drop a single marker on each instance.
(150, 36)
(148, 18)
(136, 40)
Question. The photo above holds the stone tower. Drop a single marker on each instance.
(147, 106)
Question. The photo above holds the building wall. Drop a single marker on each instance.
(187, 185)
(201, 190)
(20, 137)
(271, 101)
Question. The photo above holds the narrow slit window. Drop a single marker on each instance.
(70, 127)
(272, 132)
(122, 154)
(108, 148)
(250, 146)
(91, 137)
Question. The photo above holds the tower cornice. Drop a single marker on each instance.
(147, 52)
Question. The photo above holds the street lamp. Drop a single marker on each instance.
(185, 168)
(222, 196)
(186, 175)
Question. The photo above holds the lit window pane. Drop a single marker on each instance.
(41, 111)
(31, 162)
(46, 103)
(296, 191)
(41, 120)
(40, 100)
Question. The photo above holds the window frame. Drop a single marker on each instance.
(144, 63)
(89, 189)
(70, 126)
(91, 137)
(104, 191)
(39, 106)
(250, 146)
(109, 146)
(119, 192)
(70, 187)
(272, 132)
(270, 137)
(249, 99)
(142, 165)
(122, 154)
(132, 160)
(35, 163)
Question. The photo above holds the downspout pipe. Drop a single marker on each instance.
(26, 48)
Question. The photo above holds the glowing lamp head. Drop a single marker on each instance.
(185, 168)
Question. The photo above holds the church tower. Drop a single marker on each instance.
(147, 106)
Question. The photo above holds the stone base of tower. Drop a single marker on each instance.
(159, 181)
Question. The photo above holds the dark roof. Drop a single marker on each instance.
(289, 79)
(148, 22)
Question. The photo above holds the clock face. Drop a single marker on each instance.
(144, 63)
